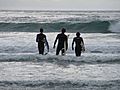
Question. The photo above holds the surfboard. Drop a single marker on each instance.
(83, 47)
(46, 48)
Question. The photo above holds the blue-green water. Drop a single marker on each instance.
(53, 21)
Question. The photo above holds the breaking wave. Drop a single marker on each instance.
(88, 27)
(65, 60)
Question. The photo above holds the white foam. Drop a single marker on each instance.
(115, 27)
(42, 71)
(25, 42)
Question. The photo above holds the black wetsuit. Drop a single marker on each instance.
(41, 40)
(62, 38)
(78, 47)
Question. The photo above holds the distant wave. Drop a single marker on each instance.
(90, 27)
(53, 21)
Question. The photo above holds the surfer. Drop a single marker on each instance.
(62, 42)
(79, 44)
(42, 41)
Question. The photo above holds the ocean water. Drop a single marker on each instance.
(22, 68)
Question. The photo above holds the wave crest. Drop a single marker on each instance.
(94, 27)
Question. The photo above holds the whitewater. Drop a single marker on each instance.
(22, 68)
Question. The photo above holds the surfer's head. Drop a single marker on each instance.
(77, 34)
(63, 30)
(41, 30)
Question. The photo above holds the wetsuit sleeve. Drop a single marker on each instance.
(73, 43)
(55, 41)
(37, 38)
(82, 40)
(66, 42)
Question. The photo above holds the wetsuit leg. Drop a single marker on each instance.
(78, 51)
(58, 50)
(41, 48)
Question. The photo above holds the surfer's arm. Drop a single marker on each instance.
(82, 41)
(37, 39)
(73, 44)
(66, 42)
(55, 41)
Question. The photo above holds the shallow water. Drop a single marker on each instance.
(36, 75)
(22, 68)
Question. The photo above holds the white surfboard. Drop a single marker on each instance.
(46, 48)
(83, 47)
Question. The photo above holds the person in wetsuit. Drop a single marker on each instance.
(62, 42)
(41, 39)
(79, 44)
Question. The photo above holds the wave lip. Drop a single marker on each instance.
(115, 26)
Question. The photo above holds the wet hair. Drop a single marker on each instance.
(78, 34)
(41, 29)
(63, 30)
